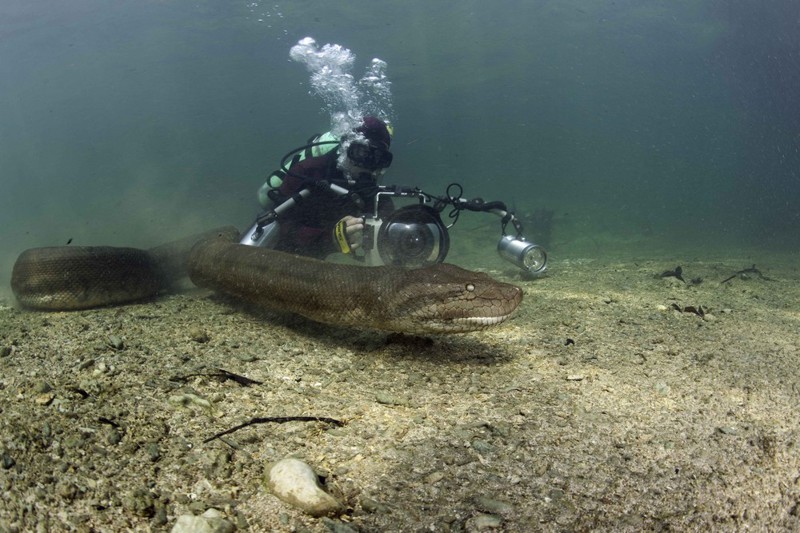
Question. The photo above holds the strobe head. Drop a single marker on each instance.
(413, 236)
(526, 255)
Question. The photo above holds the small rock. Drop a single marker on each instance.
(390, 399)
(153, 451)
(6, 461)
(481, 446)
(294, 482)
(100, 368)
(43, 387)
(496, 507)
(139, 502)
(187, 399)
(116, 342)
(575, 377)
(434, 477)
(482, 522)
(67, 490)
(114, 436)
(211, 521)
(160, 518)
(45, 399)
(198, 507)
(373, 506)
(199, 335)
(662, 388)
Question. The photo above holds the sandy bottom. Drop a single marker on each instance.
(613, 400)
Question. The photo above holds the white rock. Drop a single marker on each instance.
(294, 482)
(212, 521)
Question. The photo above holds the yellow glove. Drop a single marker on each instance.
(340, 236)
(348, 230)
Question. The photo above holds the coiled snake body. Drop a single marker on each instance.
(441, 298)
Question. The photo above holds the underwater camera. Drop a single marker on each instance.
(411, 236)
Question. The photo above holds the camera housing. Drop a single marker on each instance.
(411, 236)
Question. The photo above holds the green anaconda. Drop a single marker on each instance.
(441, 298)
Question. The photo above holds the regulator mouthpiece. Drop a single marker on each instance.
(526, 255)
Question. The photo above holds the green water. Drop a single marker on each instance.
(638, 124)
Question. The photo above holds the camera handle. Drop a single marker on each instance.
(496, 208)
(264, 232)
(525, 254)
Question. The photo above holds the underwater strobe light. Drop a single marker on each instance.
(525, 254)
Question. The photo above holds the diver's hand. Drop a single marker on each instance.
(348, 233)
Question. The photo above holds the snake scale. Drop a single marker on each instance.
(441, 298)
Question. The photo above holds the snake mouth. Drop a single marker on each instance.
(482, 321)
(463, 324)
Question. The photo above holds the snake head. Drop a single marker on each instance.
(444, 298)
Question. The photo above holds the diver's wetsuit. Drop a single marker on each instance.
(307, 229)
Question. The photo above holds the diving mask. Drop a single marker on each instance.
(369, 155)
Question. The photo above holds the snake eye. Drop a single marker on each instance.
(470, 287)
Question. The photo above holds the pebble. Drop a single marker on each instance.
(434, 477)
(294, 482)
(373, 506)
(43, 387)
(116, 342)
(481, 446)
(662, 388)
(390, 399)
(491, 505)
(45, 399)
(100, 369)
(482, 522)
(114, 436)
(199, 335)
(187, 399)
(6, 461)
(153, 451)
(211, 521)
(139, 502)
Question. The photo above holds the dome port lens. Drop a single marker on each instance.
(413, 236)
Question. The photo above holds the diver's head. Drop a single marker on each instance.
(366, 149)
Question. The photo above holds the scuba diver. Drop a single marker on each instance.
(326, 198)
(321, 220)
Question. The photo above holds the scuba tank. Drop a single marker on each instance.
(316, 146)
(265, 232)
